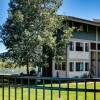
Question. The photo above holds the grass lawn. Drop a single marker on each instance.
(81, 95)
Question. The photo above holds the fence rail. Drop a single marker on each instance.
(39, 88)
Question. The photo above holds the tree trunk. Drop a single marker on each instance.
(27, 68)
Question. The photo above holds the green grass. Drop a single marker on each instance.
(81, 95)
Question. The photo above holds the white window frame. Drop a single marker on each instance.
(79, 69)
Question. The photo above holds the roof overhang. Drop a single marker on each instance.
(89, 22)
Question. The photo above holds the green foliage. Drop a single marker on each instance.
(30, 31)
(6, 64)
(85, 76)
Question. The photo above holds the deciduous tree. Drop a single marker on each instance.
(30, 32)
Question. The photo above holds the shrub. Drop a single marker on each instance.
(85, 76)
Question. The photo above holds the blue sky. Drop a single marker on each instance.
(3, 16)
(87, 9)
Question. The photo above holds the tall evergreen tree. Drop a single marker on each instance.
(29, 32)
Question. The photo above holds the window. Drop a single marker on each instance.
(71, 66)
(84, 27)
(86, 66)
(98, 46)
(70, 23)
(79, 66)
(86, 47)
(79, 46)
(63, 65)
(77, 25)
(39, 69)
(60, 66)
(57, 66)
(72, 46)
(91, 29)
(93, 46)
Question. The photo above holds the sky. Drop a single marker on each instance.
(86, 9)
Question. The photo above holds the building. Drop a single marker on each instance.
(83, 52)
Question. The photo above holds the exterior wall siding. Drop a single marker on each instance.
(74, 56)
(77, 74)
(79, 55)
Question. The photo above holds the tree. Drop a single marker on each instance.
(30, 31)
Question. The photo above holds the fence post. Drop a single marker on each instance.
(15, 89)
(21, 88)
(67, 90)
(51, 90)
(43, 89)
(2, 87)
(28, 88)
(76, 90)
(94, 90)
(85, 90)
